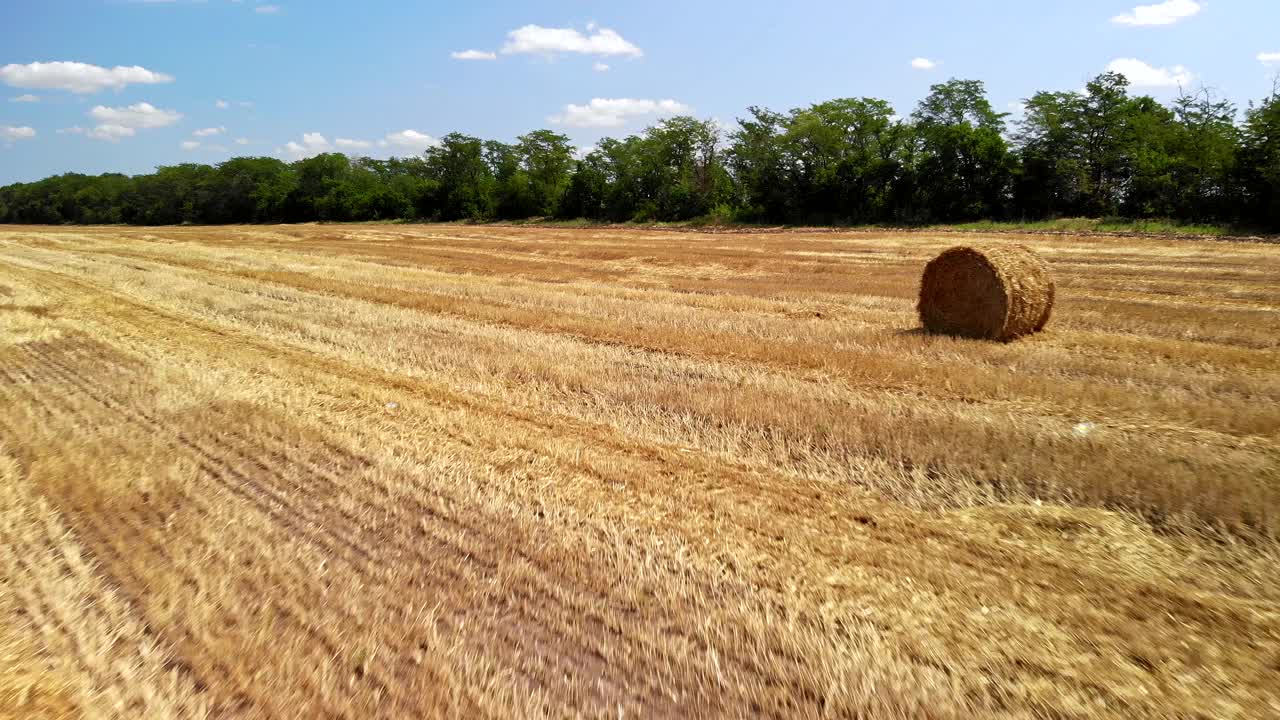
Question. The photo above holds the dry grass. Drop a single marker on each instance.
(477, 471)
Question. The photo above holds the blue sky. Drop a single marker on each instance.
(126, 85)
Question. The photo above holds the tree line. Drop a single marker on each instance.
(1101, 152)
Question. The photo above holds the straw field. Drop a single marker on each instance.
(445, 471)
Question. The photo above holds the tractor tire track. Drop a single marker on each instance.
(238, 484)
(533, 608)
(357, 556)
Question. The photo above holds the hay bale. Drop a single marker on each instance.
(992, 292)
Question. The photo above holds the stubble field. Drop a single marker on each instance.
(374, 471)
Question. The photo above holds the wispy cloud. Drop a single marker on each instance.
(923, 63)
(109, 133)
(10, 134)
(346, 144)
(1165, 13)
(473, 55)
(614, 112)
(314, 143)
(190, 145)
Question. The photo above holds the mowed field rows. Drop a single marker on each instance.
(470, 471)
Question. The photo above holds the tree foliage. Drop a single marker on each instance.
(1098, 152)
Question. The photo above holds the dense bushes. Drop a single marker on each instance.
(1098, 153)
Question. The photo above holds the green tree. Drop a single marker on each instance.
(465, 181)
(681, 174)
(315, 196)
(412, 180)
(963, 166)
(1150, 182)
(627, 190)
(1203, 157)
(249, 190)
(1097, 152)
(369, 193)
(512, 188)
(1105, 136)
(588, 190)
(759, 161)
(1258, 163)
(170, 196)
(546, 158)
(1052, 180)
(846, 159)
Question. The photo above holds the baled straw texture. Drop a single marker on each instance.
(992, 292)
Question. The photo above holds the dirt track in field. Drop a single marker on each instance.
(377, 471)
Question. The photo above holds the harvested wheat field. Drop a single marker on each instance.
(377, 471)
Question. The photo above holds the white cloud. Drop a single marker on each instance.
(115, 124)
(409, 140)
(267, 9)
(473, 55)
(10, 134)
(138, 116)
(312, 144)
(242, 141)
(25, 99)
(209, 132)
(613, 112)
(1269, 58)
(580, 153)
(600, 67)
(222, 104)
(923, 63)
(78, 77)
(1141, 74)
(403, 142)
(538, 40)
(190, 145)
(109, 132)
(1165, 13)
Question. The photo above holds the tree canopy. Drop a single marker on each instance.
(1100, 152)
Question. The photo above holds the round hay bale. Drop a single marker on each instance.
(991, 292)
